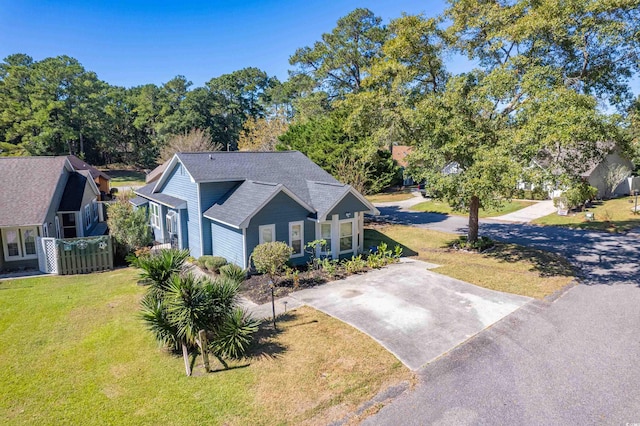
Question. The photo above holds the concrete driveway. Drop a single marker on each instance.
(414, 313)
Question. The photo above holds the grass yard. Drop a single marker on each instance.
(611, 216)
(73, 351)
(388, 197)
(123, 177)
(443, 207)
(508, 267)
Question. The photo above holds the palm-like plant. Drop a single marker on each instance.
(158, 268)
(177, 311)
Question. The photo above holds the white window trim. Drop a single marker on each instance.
(321, 250)
(21, 243)
(94, 208)
(353, 236)
(154, 215)
(263, 227)
(291, 225)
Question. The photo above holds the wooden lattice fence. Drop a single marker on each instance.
(76, 255)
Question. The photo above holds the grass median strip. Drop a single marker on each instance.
(610, 216)
(74, 351)
(434, 206)
(507, 267)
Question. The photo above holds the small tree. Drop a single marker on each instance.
(196, 140)
(129, 227)
(271, 258)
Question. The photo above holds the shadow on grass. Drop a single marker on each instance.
(373, 238)
(265, 343)
(612, 226)
(545, 263)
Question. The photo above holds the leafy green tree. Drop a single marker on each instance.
(337, 64)
(129, 227)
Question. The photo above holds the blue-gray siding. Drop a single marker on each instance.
(348, 204)
(210, 192)
(281, 210)
(179, 185)
(227, 242)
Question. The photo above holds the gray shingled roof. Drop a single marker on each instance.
(263, 174)
(290, 168)
(26, 187)
(241, 203)
(138, 201)
(173, 202)
(326, 195)
(80, 164)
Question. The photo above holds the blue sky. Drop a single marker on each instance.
(129, 43)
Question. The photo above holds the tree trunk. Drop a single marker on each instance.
(185, 355)
(474, 206)
(202, 342)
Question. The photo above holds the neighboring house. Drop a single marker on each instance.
(155, 174)
(100, 178)
(609, 174)
(399, 154)
(46, 197)
(226, 203)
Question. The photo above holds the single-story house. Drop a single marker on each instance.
(43, 197)
(597, 172)
(226, 203)
(101, 179)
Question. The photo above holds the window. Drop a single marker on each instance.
(267, 233)
(94, 206)
(11, 243)
(87, 216)
(154, 215)
(172, 222)
(296, 239)
(29, 238)
(325, 234)
(346, 236)
(19, 243)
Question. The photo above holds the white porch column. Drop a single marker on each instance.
(335, 236)
(360, 227)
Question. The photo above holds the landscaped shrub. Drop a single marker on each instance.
(129, 227)
(211, 263)
(579, 194)
(355, 264)
(271, 258)
(233, 272)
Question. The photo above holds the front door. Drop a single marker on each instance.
(69, 225)
(172, 229)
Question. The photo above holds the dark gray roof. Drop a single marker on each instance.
(138, 201)
(80, 164)
(73, 193)
(289, 168)
(242, 202)
(261, 175)
(26, 187)
(326, 195)
(147, 192)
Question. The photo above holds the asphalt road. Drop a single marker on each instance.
(571, 361)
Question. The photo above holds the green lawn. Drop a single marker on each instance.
(508, 267)
(123, 177)
(611, 216)
(433, 206)
(74, 351)
(386, 197)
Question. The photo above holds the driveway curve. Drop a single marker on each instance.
(571, 361)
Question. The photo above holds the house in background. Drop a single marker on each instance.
(609, 174)
(100, 178)
(43, 197)
(226, 203)
(399, 154)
